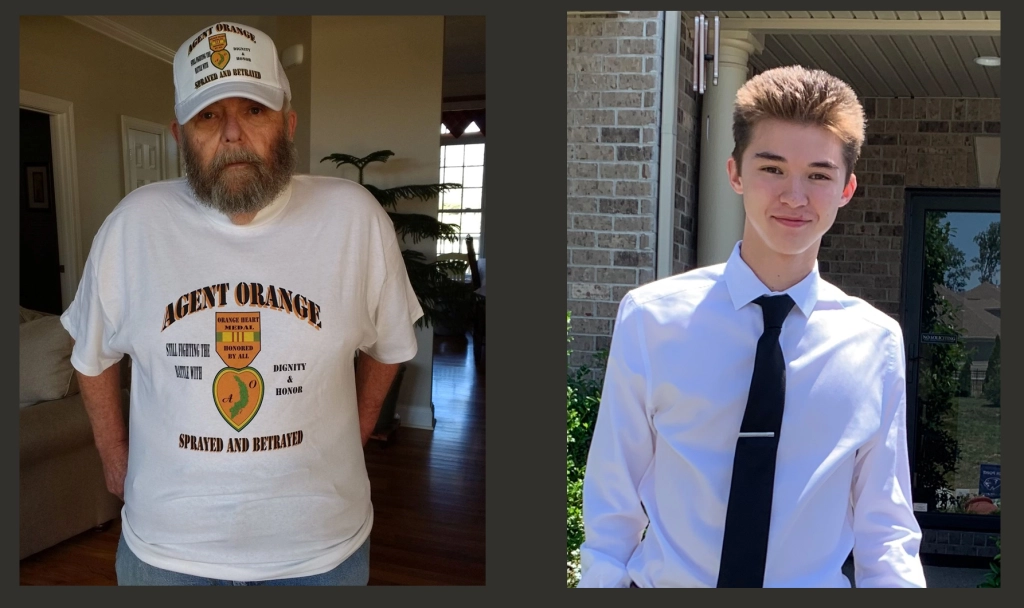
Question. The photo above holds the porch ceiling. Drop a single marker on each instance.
(881, 53)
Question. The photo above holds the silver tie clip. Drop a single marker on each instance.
(765, 434)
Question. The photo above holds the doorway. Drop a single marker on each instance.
(40, 269)
(62, 179)
(952, 328)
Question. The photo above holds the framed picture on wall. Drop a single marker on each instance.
(38, 186)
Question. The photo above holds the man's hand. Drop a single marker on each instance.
(115, 467)
(373, 380)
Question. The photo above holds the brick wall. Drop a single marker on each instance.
(684, 222)
(951, 542)
(924, 142)
(613, 116)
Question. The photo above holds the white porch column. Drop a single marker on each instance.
(719, 209)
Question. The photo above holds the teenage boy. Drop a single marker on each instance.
(752, 423)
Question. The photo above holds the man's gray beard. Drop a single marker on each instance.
(256, 187)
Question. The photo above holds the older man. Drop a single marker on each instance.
(241, 293)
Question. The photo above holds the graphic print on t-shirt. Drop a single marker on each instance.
(238, 388)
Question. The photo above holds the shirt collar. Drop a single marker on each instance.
(744, 286)
(262, 217)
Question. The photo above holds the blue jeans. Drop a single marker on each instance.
(133, 571)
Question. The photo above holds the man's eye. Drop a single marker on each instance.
(206, 115)
(820, 176)
(774, 170)
(256, 110)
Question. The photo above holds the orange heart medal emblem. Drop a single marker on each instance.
(219, 56)
(238, 388)
(238, 393)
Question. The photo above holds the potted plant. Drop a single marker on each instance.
(443, 294)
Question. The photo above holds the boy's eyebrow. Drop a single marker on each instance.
(824, 164)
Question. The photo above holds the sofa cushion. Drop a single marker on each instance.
(44, 360)
(30, 315)
(53, 428)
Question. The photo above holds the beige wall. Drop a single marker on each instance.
(290, 31)
(377, 85)
(103, 79)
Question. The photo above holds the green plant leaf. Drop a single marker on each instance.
(389, 197)
(417, 227)
(340, 160)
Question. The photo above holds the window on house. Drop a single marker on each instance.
(461, 163)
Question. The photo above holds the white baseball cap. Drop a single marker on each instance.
(227, 60)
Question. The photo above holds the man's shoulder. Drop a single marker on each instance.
(326, 184)
(145, 200)
(859, 310)
(175, 187)
(691, 286)
(339, 194)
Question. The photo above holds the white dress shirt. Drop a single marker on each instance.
(675, 391)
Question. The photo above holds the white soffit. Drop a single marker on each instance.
(882, 53)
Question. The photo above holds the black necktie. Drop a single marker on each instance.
(753, 475)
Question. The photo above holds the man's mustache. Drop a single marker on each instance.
(236, 156)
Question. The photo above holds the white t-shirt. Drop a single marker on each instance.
(245, 459)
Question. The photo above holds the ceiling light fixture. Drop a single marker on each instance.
(987, 61)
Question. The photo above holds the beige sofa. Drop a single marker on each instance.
(62, 490)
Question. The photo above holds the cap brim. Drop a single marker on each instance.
(270, 96)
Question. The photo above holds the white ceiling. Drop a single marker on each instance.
(880, 53)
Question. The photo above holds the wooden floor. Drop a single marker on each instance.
(427, 491)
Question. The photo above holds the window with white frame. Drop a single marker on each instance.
(462, 163)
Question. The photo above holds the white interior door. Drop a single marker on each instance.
(149, 151)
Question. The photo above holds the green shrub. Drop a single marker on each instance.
(583, 395)
(992, 578)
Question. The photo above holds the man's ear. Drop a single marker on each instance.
(176, 132)
(849, 190)
(293, 121)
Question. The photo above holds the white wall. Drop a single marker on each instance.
(376, 84)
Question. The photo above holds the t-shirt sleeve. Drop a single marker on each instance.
(90, 322)
(396, 312)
